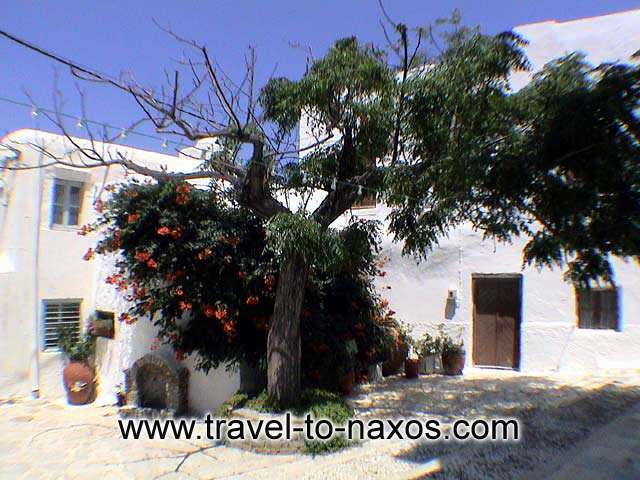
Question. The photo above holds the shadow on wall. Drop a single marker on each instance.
(450, 308)
(552, 417)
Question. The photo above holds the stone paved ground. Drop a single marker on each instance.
(49, 439)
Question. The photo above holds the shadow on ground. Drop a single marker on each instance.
(553, 417)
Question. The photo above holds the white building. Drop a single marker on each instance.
(529, 320)
(44, 280)
(525, 319)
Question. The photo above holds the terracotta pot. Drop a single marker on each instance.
(453, 363)
(346, 383)
(411, 367)
(79, 382)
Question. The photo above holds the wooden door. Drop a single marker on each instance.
(496, 320)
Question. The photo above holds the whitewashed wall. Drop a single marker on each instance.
(62, 274)
(550, 339)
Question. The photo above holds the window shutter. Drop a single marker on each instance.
(598, 308)
(60, 314)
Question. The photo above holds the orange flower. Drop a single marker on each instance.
(85, 229)
(151, 263)
(176, 233)
(133, 217)
(139, 292)
(229, 328)
(221, 312)
(149, 305)
(110, 187)
(241, 275)
(179, 291)
(252, 300)
(126, 318)
(206, 253)
(89, 255)
(269, 281)
(115, 240)
(208, 311)
(142, 256)
(182, 199)
(162, 231)
(183, 188)
(185, 306)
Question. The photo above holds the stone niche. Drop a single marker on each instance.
(157, 383)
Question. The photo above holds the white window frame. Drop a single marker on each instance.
(50, 329)
(66, 205)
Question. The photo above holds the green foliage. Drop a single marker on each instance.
(348, 96)
(317, 402)
(428, 345)
(289, 234)
(76, 349)
(237, 400)
(556, 162)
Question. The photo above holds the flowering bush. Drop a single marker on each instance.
(197, 266)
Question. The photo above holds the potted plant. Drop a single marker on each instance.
(429, 350)
(452, 356)
(411, 363)
(78, 375)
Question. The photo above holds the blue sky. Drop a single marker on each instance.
(117, 35)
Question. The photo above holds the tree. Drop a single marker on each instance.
(349, 94)
(444, 143)
(557, 162)
(199, 268)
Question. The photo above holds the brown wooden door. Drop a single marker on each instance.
(496, 320)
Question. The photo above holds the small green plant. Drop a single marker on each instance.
(448, 346)
(76, 349)
(237, 400)
(317, 402)
(428, 345)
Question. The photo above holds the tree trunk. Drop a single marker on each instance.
(283, 344)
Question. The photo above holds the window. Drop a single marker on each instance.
(367, 200)
(60, 313)
(598, 308)
(67, 199)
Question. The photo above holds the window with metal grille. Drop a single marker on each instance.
(60, 313)
(67, 200)
(598, 308)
